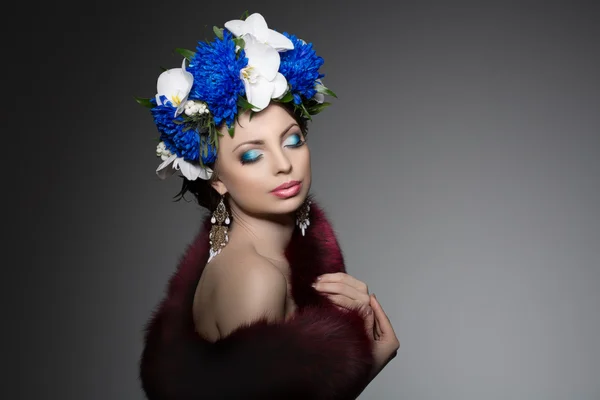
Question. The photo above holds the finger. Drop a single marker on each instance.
(342, 289)
(369, 317)
(384, 322)
(345, 301)
(376, 326)
(349, 304)
(346, 278)
(376, 333)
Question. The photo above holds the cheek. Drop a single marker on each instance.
(302, 166)
(308, 170)
(304, 160)
(244, 180)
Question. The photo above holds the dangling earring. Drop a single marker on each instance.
(218, 236)
(302, 216)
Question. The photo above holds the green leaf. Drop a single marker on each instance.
(287, 98)
(218, 32)
(244, 104)
(317, 108)
(230, 129)
(251, 115)
(305, 111)
(214, 137)
(163, 69)
(144, 102)
(244, 15)
(322, 89)
(239, 42)
(188, 54)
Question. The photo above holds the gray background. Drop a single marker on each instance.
(459, 167)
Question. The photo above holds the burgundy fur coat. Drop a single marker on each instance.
(321, 352)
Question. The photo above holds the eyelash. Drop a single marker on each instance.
(299, 143)
(252, 160)
(255, 159)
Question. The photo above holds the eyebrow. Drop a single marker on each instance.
(259, 142)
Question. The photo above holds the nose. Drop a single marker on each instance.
(282, 164)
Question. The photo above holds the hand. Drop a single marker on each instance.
(347, 292)
(385, 344)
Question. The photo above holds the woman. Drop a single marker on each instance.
(260, 306)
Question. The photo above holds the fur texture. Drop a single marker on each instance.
(321, 352)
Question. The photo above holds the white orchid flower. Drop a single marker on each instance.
(261, 78)
(319, 97)
(191, 171)
(256, 26)
(175, 84)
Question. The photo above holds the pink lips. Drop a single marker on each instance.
(288, 189)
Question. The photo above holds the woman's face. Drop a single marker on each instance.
(266, 152)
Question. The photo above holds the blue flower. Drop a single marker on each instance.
(216, 70)
(300, 67)
(182, 142)
(163, 117)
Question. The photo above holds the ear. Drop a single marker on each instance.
(219, 186)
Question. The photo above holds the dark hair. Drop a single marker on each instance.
(205, 194)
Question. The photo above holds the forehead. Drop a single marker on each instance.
(270, 122)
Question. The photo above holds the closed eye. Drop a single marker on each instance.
(294, 140)
(250, 156)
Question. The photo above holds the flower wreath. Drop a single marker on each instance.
(243, 69)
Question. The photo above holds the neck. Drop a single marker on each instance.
(269, 236)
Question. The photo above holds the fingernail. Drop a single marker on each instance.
(313, 284)
(318, 278)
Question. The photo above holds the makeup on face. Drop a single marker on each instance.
(253, 155)
(287, 189)
(267, 151)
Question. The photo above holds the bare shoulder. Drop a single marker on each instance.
(247, 287)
